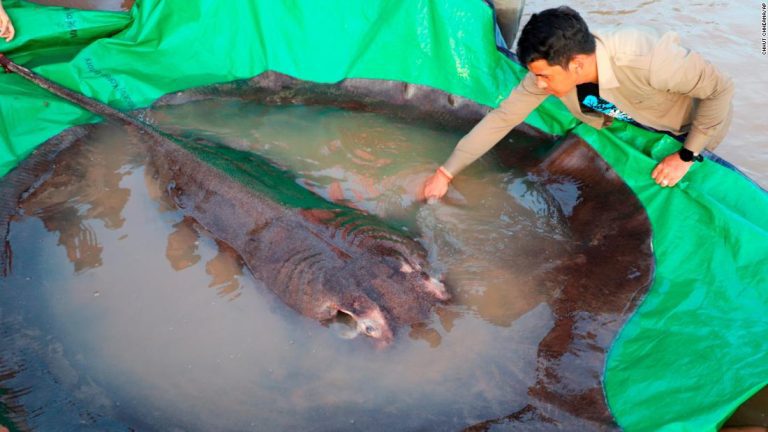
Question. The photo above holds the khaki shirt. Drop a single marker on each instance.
(650, 77)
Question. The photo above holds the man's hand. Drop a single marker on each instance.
(670, 170)
(436, 185)
(6, 27)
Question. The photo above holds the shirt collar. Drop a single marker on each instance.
(606, 77)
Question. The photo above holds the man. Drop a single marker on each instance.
(632, 74)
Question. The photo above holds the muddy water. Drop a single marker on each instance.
(119, 312)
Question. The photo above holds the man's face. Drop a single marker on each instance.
(553, 79)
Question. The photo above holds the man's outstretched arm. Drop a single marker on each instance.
(492, 128)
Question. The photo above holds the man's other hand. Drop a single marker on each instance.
(670, 170)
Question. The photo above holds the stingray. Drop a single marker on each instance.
(610, 264)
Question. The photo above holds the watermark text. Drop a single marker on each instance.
(763, 31)
(122, 92)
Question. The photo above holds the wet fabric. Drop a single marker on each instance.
(44, 35)
(693, 351)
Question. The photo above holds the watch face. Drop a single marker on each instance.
(685, 154)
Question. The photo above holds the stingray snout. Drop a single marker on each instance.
(436, 288)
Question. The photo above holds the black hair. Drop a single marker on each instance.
(555, 35)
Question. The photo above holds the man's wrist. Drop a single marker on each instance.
(445, 173)
(689, 156)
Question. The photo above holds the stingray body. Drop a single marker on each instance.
(321, 259)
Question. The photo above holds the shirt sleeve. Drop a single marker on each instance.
(678, 70)
(496, 124)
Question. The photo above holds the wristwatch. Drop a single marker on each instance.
(687, 155)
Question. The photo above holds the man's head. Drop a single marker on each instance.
(554, 45)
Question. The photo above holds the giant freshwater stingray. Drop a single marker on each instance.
(596, 289)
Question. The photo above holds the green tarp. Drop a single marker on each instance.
(693, 351)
